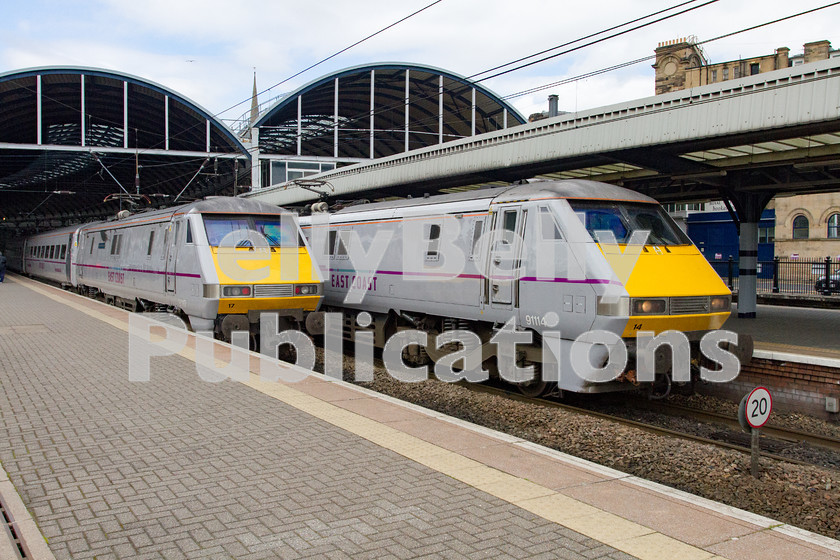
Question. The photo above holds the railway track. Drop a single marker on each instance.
(776, 432)
(739, 441)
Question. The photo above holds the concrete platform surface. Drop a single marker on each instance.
(97, 466)
(794, 330)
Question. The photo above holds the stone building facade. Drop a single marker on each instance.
(682, 64)
(807, 226)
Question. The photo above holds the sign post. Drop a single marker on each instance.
(753, 413)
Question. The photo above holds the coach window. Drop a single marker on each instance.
(165, 242)
(476, 238)
(434, 242)
(800, 227)
(834, 226)
(189, 232)
(63, 252)
(151, 242)
(341, 248)
(52, 251)
(331, 243)
(510, 220)
(115, 244)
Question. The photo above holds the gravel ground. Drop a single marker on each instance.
(803, 496)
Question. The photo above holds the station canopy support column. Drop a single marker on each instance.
(749, 206)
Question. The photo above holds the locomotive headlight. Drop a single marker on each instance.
(306, 289)
(720, 303)
(237, 291)
(649, 307)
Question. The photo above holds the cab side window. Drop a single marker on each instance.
(549, 231)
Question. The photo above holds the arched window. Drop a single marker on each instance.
(834, 226)
(800, 227)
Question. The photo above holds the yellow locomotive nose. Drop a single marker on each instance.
(675, 288)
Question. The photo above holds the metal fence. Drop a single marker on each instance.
(782, 276)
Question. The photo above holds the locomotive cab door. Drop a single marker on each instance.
(502, 277)
(174, 237)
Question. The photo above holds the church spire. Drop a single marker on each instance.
(255, 107)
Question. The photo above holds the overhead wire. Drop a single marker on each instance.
(579, 39)
(652, 57)
(335, 54)
(466, 88)
(594, 72)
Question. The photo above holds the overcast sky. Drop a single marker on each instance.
(207, 50)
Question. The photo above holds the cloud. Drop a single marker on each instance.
(154, 39)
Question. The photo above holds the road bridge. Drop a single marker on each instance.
(743, 141)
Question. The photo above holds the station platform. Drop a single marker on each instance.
(97, 466)
(797, 331)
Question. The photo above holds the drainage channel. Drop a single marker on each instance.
(9, 532)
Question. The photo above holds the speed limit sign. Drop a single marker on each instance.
(755, 408)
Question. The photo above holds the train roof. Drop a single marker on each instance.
(572, 188)
(222, 204)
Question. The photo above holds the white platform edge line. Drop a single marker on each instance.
(796, 358)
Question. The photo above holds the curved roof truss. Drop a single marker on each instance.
(379, 110)
(92, 132)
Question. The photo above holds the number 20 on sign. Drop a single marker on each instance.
(759, 405)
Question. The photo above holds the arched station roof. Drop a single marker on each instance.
(92, 132)
(378, 110)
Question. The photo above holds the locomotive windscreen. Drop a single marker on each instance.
(623, 218)
(278, 231)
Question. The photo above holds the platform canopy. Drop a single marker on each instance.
(82, 143)
(380, 110)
